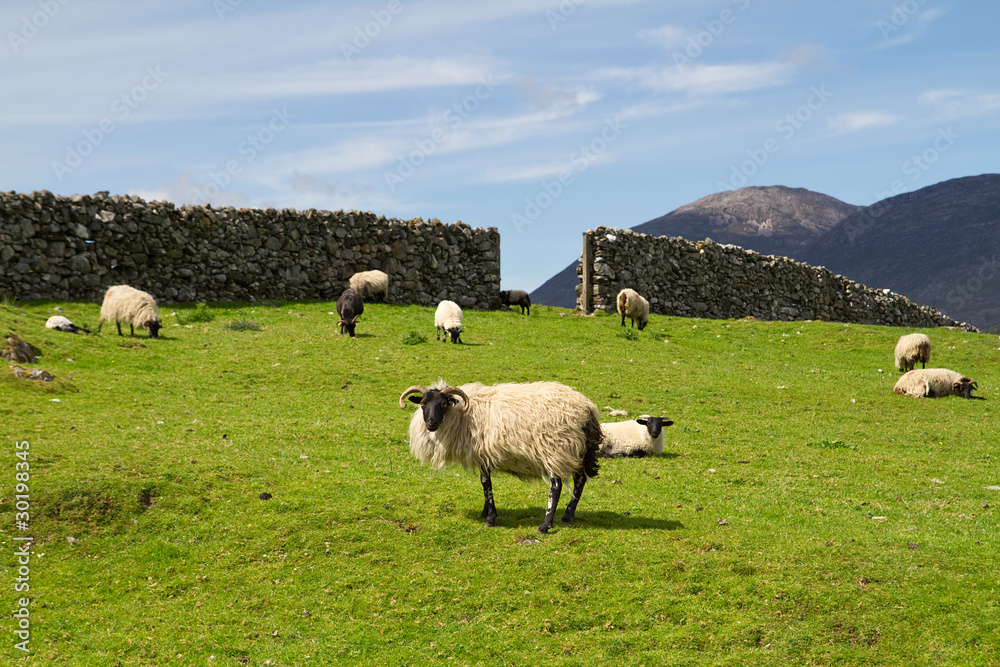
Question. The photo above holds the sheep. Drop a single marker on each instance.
(350, 306)
(912, 348)
(60, 323)
(935, 383)
(633, 306)
(516, 297)
(448, 319)
(637, 438)
(532, 431)
(127, 304)
(370, 284)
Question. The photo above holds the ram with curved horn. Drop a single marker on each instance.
(539, 430)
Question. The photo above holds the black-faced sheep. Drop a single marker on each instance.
(912, 348)
(935, 383)
(637, 438)
(60, 323)
(633, 306)
(516, 297)
(532, 431)
(350, 306)
(371, 284)
(127, 304)
(448, 319)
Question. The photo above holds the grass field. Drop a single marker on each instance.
(801, 513)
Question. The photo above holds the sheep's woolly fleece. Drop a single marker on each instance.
(912, 348)
(532, 431)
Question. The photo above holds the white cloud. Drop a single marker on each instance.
(703, 79)
(860, 120)
(668, 36)
(960, 103)
(903, 24)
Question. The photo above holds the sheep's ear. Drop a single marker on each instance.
(642, 422)
(667, 422)
(414, 398)
(453, 401)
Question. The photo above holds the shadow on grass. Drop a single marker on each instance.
(521, 518)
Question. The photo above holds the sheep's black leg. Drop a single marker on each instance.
(623, 320)
(555, 488)
(119, 325)
(579, 479)
(131, 331)
(489, 509)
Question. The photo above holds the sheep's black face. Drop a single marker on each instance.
(434, 404)
(348, 327)
(455, 335)
(505, 297)
(965, 387)
(153, 328)
(655, 425)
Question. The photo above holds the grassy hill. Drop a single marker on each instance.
(801, 514)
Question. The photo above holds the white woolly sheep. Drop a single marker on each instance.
(60, 323)
(935, 383)
(912, 348)
(633, 306)
(517, 297)
(127, 304)
(636, 438)
(448, 319)
(532, 431)
(371, 284)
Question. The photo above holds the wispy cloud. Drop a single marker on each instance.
(861, 120)
(667, 36)
(703, 79)
(960, 103)
(906, 22)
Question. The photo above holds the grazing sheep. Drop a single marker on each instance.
(912, 348)
(371, 284)
(349, 308)
(127, 304)
(448, 319)
(516, 297)
(532, 431)
(60, 323)
(633, 306)
(935, 383)
(637, 438)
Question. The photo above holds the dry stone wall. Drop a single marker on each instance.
(54, 247)
(707, 279)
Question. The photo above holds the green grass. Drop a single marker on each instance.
(801, 513)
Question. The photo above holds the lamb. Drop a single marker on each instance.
(532, 431)
(60, 323)
(637, 438)
(516, 297)
(935, 383)
(371, 284)
(127, 304)
(350, 306)
(633, 306)
(912, 348)
(448, 319)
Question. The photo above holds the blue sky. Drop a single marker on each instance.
(541, 118)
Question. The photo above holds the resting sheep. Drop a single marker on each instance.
(935, 383)
(60, 323)
(448, 319)
(633, 306)
(350, 306)
(532, 431)
(516, 297)
(637, 438)
(370, 284)
(127, 304)
(912, 348)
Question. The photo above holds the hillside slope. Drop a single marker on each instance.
(939, 246)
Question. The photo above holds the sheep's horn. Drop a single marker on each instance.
(455, 391)
(415, 389)
(355, 319)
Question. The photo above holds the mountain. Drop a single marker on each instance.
(773, 220)
(939, 246)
